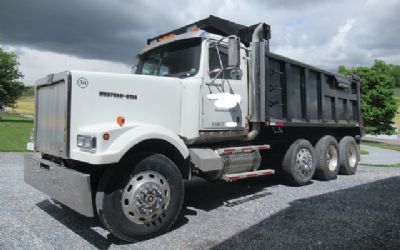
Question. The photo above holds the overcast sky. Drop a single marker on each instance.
(105, 35)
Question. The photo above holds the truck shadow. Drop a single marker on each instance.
(207, 196)
(200, 194)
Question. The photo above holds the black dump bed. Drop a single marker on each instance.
(299, 94)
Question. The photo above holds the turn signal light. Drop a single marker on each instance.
(121, 121)
(106, 136)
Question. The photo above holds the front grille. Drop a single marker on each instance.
(51, 131)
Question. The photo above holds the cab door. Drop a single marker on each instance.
(224, 93)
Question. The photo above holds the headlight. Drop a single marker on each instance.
(86, 142)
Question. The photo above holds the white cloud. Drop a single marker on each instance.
(339, 40)
(36, 64)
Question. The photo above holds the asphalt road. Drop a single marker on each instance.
(360, 211)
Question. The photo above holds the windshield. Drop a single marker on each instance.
(178, 59)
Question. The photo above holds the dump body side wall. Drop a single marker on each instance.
(301, 95)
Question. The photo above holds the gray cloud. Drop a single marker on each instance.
(110, 30)
(295, 5)
(379, 27)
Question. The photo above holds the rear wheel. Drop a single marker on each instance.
(299, 162)
(327, 157)
(142, 198)
(349, 155)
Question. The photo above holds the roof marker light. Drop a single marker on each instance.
(193, 28)
(167, 37)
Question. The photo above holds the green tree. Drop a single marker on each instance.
(378, 105)
(10, 86)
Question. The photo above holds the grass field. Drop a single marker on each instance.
(14, 132)
(25, 105)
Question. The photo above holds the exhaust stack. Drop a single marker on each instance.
(256, 112)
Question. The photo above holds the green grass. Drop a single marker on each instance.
(381, 145)
(397, 165)
(7, 117)
(14, 132)
(363, 152)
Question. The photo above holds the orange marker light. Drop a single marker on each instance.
(106, 136)
(121, 121)
(167, 37)
(195, 29)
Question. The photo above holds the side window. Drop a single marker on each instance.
(214, 63)
(150, 66)
(164, 70)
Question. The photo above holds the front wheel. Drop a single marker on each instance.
(142, 198)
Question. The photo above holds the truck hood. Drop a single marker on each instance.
(97, 99)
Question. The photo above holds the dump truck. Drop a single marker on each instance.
(208, 99)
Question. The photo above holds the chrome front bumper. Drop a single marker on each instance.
(70, 187)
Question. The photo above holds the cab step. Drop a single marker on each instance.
(244, 175)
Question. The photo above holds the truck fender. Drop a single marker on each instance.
(141, 133)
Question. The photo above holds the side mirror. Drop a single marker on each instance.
(233, 52)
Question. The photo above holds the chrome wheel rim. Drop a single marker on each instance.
(352, 156)
(331, 158)
(304, 162)
(146, 197)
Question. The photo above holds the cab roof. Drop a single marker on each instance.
(218, 26)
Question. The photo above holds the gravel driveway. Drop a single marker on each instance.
(360, 211)
(378, 156)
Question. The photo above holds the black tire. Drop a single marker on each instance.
(291, 166)
(111, 188)
(349, 155)
(327, 145)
